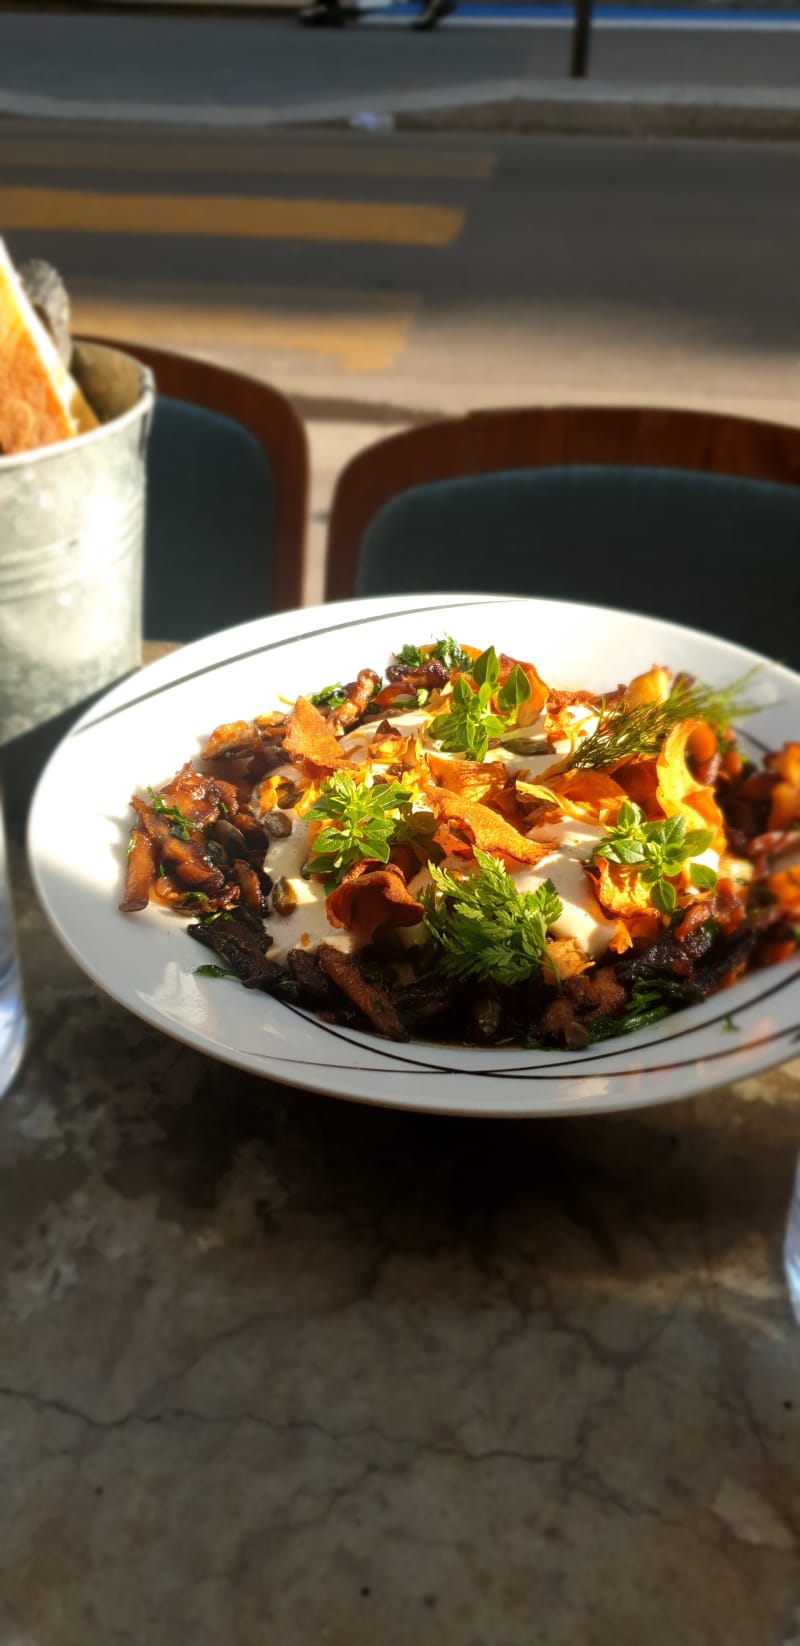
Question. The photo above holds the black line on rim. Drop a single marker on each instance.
(538, 1071)
(277, 645)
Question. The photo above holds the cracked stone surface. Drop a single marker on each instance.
(277, 1369)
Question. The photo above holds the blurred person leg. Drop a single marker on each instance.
(323, 14)
(432, 13)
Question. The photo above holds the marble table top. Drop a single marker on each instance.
(281, 1369)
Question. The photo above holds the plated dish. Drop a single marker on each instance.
(542, 1040)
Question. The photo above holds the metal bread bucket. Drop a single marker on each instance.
(72, 550)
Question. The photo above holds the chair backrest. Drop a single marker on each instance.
(227, 495)
(687, 515)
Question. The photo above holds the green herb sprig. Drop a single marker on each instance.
(446, 651)
(624, 731)
(657, 851)
(360, 822)
(469, 724)
(330, 697)
(484, 927)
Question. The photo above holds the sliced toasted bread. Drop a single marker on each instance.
(40, 402)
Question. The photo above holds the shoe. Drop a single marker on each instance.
(434, 11)
(320, 15)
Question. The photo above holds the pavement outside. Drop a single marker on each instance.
(380, 278)
(258, 72)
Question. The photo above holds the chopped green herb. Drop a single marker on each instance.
(130, 845)
(361, 821)
(411, 656)
(729, 1025)
(657, 852)
(470, 722)
(446, 651)
(189, 898)
(181, 825)
(331, 697)
(625, 731)
(212, 971)
(484, 926)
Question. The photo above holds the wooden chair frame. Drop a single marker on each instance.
(272, 421)
(487, 442)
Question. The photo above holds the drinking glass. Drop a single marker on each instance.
(791, 1247)
(12, 1008)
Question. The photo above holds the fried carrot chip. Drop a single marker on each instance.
(651, 687)
(639, 779)
(785, 801)
(372, 895)
(785, 888)
(308, 737)
(567, 958)
(622, 938)
(475, 780)
(489, 831)
(579, 794)
(678, 789)
(619, 889)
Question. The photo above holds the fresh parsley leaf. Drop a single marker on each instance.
(330, 697)
(470, 723)
(411, 656)
(657, 851)
(180, 824)
(484, 927)
(360, 821)
(212, 971)
(446, 651)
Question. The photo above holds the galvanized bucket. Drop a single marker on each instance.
(72, 550)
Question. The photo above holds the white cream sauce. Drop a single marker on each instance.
(308, 925)
(582, 916)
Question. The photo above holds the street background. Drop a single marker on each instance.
(200, 183)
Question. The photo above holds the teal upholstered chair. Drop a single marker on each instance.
(688, 516)
(227, 490)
